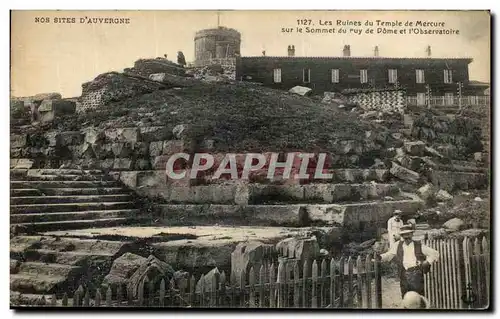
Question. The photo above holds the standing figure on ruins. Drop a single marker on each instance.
(413, 259)
(393, 225)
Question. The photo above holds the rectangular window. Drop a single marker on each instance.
(448, 76)
(448, 98)
(363, 76)
(393, 75)
(306, 75)
(335, 75)
(277, 75)
(420, 76)
(421, 97)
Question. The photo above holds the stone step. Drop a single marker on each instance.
(67, 191)
(451, 181)
(319, 193)
(68, 207)
(42, 284)
(63, 177)
(21, 244)
(352, 215)
(73, 258)
(66, 216)
(47, 269)
(69, 199)
(60, 184)
(63, 171)
(74, 224)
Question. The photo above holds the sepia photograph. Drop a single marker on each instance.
(250, 160)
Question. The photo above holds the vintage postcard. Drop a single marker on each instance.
(250, 159)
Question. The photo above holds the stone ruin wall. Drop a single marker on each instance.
(112, 87)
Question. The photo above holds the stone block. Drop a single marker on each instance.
(51, 137)
(404, 174)
(172, 147)
(122, 135)
(443, 195)
(142, 164)
(250, 254)
(122, 269)
(103, 151)
(107, 164)
(140, 149)
(180, 194)
(156, 148)
(129, 179)
(426, 191)
(329, 214)
(13, 162)
(121, 150)
(299, 248)
(69, 138)
(122, 164)
(84, 150)
(93, 135)
(155, 133)
(24, 163)
(18, 140)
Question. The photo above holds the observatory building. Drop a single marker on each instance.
(214, 44)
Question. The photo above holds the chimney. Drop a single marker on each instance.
(291, 50)
(347, 50)
(375, 51)
(428, 50)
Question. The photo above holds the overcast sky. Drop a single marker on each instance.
(60, 57)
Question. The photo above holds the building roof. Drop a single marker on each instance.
(364, 58)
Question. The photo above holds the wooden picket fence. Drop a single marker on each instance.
(343, 283)
(461, 277)
(459, 280)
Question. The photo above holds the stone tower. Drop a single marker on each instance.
(217, 43)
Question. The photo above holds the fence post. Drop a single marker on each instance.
(222, 295)
(86, 299)
(341, 282)
(161, 302)
(305, 274)
(262, 282)
(243, 276)
(272, 290)
(446, 278)
(323, 284)
(97, 299)
(233, 289)
(65, 299)
(251, 279)
(296, 287)
(119, 294)
(378, 283)
(192, 291)
(215, 290)
(314, 284)
(172, 293)
(333, 287)
(53, 300)
(368, 280)
(477, 259)
(458, 265)
(281, 285)
(76, 298)
(140, 293)
(108, 296)
(350, 281)
(359, 277)
(486, 253)
(201, 284)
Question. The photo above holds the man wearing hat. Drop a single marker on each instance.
(393, 225)
(414, 260)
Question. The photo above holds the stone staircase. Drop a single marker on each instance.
(53, 265)
(63, 199)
